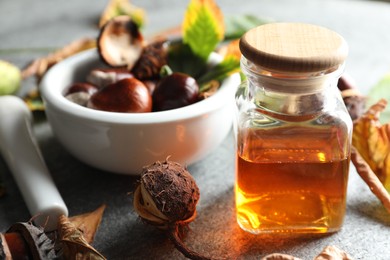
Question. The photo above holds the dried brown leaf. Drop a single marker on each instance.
(372, 140)
(370, 178)
(74, 245)
(89, 222)
(231, 49)
(34, 100)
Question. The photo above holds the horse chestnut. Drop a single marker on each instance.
(81, 87)
(174, 91)
(104, 77)
(80, 92)
(127, 95)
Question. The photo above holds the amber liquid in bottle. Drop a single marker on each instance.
(291, 179)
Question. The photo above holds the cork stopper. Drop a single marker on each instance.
(294, 48)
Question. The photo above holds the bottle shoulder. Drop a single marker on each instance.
(258, 118)
(323, 106)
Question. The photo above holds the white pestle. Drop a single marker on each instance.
(23, 157)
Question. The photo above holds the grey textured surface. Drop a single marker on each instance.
(29, 29)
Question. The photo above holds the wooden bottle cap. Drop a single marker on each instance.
(293, 47)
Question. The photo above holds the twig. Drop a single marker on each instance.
(39, 66)
(173, 233)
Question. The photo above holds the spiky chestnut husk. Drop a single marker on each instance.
(166, 197)
(168, 192)
(38, 244)
(153, 58)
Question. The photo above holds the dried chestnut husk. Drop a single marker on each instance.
(328, 253)
(23, 240)
(278, 256)
(120, 43)
(175, 91)
(353, 99)
(127, 95)
(153, 58)
(356, 105)
(169, 191)
(333, 252)
(166, 197)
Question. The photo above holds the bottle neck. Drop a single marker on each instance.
(291, 94)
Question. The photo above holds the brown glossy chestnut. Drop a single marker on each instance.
(174, 91)
(127, 95)
(150, 84)
(346, 82)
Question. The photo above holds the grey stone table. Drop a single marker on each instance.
(30, 29)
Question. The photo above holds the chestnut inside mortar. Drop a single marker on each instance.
(134, 66)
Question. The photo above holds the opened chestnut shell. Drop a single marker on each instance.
(120, 43)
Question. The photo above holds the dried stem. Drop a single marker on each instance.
(39, 66)
(173, 233)
(370, 178)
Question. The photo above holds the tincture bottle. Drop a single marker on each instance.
(293, 131)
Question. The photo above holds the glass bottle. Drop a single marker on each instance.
(293, 131)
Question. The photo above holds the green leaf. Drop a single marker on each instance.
(219, 72)
(237, 25)
(182, 59)
(203, 27)
(381, 91)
